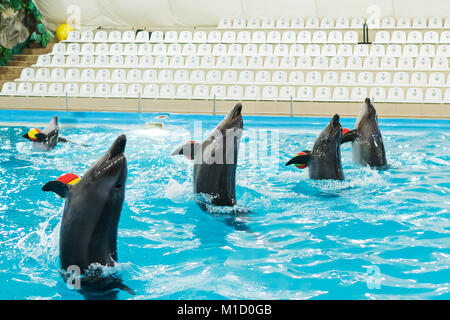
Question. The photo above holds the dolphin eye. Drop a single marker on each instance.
(118, 186)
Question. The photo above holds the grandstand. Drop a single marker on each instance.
(284, 66)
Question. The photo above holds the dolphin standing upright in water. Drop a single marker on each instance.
(48, 138)
(91, 216)
(367, 142)
(324, 161)
(215, 159)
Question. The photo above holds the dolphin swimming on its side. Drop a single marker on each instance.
(91, 216)
(324, 161)
(367, 142)
(49, 137)
(215, 159)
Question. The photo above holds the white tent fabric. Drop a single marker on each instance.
(150, 13)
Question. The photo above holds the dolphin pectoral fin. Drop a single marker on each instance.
(349, 136)
(300, 159)
(40, 137)
(58, 187)
(127, 289)
(60, 139)
(26, 136)
(188, 149)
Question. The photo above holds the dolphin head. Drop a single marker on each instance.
(368, 113)
(330, 137)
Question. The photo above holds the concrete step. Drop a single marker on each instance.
(23, 64)
(10, 69)
(9, 76)
(25, 57)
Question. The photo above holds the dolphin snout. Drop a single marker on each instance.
(118, 146)
(237, 109)
(335, 119)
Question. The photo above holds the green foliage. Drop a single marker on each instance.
(33, 20)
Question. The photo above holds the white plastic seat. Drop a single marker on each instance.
(255, 62)
(88, 75)
(289, 37)
(398, 37)
(214, 37)
(378, 94)
(383, 78)
(327, 23)
(229, 37)
(356, 23)
(382, 37)
(320, 63)
(73, 36)
(43, 60)
(165, 76)
(404, 22)
(156, 36)
(430, 37)
(361, 50)
(273, 37)
(162, 61)
(328, 50)
(419, 23)
(422, 63)
(335, 37)
(246, 77)
(197, 76)
(396, 94)
(159, 49)
(414, 37)
(102, 49)
(229, 76)
(282, 23)
(235, 92)
(296, 77)
(55, 89)
(25, 88)
(410, 50)
(414, 95)
(262, 77)
(312, 50)
(142, 37)
(71, 89)
(42, 74)
(239, 23)
(400, 79)
(271, 62)
(101, 36)
(219, 49)
(279, 77)
(58, 74)
(171, 37)
(281, 50)
(373, 22)
(388, 63)
(239, 62)
(436, 79)
(118, 90)
(427, 50)
(213, 76)
(243, 37)
(252, 92)
(354, 62)
(435, 23)
(297, 50)
(167, 91)
(176, 62)
(297, 23)
(259, 37)
(342, 23)
(447, 96)
(348, 78)
(72, 60)
(134, 90)
(219, 92)
(443, 50)
(199, 37)
(72, 75)
(151, 91)
(419, 79)
(304, 37)
(27, 74)
(118, 75)
(116, 49)
(150, 76)
(269, 93)
(185, 37)
(128, 36)
(9, 88)
(184, 91)
(358, 94)
(103, 75)
(58, 60)
(87, 90)
(267, 23)
(225, 23)
(371, 63)
(115, 36)
(116, 61)
(319, 37)
(350, 37)
(235, 50)
(365, 78)
(59, 48)
(313, 77)
(174, 49)
(393, 50)
(287, 62)
(250, 49)
(134, 75)
(102, 90)
(305, 94)
(286, 93)
(405, 63)
(433, 95)
(189, 49)
(201, 92)
(388, 23)
(223, 62)
(145, 49)
(341, 94)
(146, 61)
(265, 50)
(345, 50)
(304, 62)
(87, 48)
(440, 63)
(312, 23)
(87, 36)
(253, 23)
(330, 78)
(377, 50)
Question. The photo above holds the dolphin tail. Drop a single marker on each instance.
(41, 137)
(61, 139)
(349, 136)
(189, 149)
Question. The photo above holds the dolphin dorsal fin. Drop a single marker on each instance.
(58, 187)
(189, 149)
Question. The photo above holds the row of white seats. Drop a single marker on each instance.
(412, 37)
(219, 37)
(296, 50)
(234, 92)
(239, 62)
(347, 78)
(313, 23)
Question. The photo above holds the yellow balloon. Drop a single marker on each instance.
(63, 31)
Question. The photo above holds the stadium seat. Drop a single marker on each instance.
(433, 95)
(269, 93)
(219, 92)
(252, 93)
(201, 92)
(396, 94)
(235, 92)
(71, 89)
(55, 89)
(286, 93)
(151, 91)
(341, 94)
(9, 88)
(296, 77)
(167, 91)
(87, 90)
(414, 95)
(378, 94)
(134, 90)
(305, 94)
(142, 37)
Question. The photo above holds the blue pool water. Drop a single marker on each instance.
(306, 239)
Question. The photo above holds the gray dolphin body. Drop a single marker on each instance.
(367, 142)
(49, 137)
(215, 159)
(91, 216)
(324, 161)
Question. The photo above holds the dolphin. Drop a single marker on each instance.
(367, 142)
(215, 160)
(49, 137)
(324, 161)
(88, 235)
